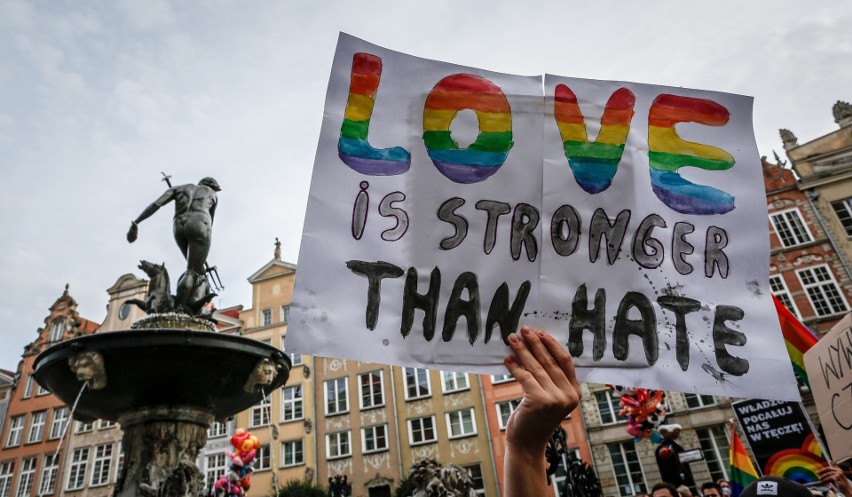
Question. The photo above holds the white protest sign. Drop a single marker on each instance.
(829, 366)
(449, 204)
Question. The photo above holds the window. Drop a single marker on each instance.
(292, 403)
(49, 469)
(627, 469)
(217, 429)
(37, 423)
(16, 429)
(84, 427)
(501, 378)
(454, 382)
(26, 479)
(374, 439)
(823, 291)
(57, 329)
(285, 313)
(461, 423)
(694, 401)
(296, 359)
(843, 209)
(609, 407)
(6, 470)
(77, 469)
(119, 465)
(716, 449)
(336, 396)
(475, 472)
(260, 413)
(262, 460)
(60, 420)
(104, 424)
(216, 465)
(266, 317)
(779, 289)
(417, 383)
(504, 410)
(292, 453)
(42, 391)
(337, 445)
(28, 387)
(372, 394)
(791, 228)
(101, 464)
(421, 430)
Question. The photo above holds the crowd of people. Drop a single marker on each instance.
(551, 391)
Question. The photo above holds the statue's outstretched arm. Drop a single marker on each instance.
(164, 199)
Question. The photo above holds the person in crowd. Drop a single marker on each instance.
(551, 391)
(684, 491)
(711, 489)
(725, 486)
(837, 477)
(775, 486)
(664, 489)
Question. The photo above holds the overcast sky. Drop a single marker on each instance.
(97, 98)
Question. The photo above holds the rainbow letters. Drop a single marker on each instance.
(668, 152)
(353, 148)
(593, 164)
(484, 156)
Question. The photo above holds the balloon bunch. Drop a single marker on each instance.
(644, 410)
(236, 482)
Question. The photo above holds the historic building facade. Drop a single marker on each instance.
(30, 463)
(816, 223)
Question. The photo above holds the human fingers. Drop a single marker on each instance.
(545, 357)
(562, 358)
(527, 381)
(523, 349)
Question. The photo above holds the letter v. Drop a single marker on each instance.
(353, 148)
(593, 164)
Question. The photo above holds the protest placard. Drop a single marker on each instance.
(829, 366)
(449, 204)
(781, 439)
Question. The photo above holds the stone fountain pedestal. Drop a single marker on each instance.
(164, 386)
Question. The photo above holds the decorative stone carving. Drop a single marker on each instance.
(431, 480)
(463, 446)
(309, 474)
(420, 407)
(89, 368)
(378, 481)
(806, 259)
(308, 426)
(306, 371)
(788, 138)
(842, 113)
(263, 374)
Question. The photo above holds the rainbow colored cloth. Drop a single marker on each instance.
(742, 470)
(797, 337)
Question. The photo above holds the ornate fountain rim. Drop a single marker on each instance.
(209, 371)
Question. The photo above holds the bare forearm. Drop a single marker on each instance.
(524, 473)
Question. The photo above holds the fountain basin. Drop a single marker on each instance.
(148, 368)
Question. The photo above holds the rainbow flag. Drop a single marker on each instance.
(742, 470)
(797, 337)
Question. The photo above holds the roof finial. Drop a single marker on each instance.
(277, 249)
(65, 293)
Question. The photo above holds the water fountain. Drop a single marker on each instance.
(168, 377)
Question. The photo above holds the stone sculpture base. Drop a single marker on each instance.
(161, 445)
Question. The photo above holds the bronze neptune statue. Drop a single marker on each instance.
(195, 207)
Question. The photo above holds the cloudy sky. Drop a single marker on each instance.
(97, 98)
